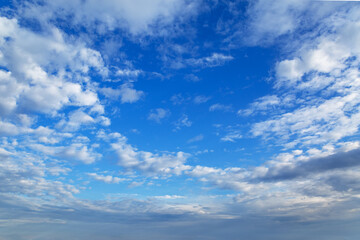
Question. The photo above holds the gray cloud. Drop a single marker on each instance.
(317, 165)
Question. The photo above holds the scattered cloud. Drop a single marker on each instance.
(183, 121)
(201, 99)
(106, 178)
(169, 197)
(220, 107)
(149, 163)
(158, 114)
(192, 78)
(57, 81)
(231, 136)
(215, 60)
(126, 93)
(265, 104)
(196, 138)
(138, 17)
(74, 152)
(128, 73)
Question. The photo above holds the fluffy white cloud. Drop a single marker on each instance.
(76, 119)
(138, 16)
(44, 72)
(324, 77)
(149, 163)
(229, 178)
(126, 93)
(74, 152)
(24, 174)
(268, 21)
(8, 129)
(329, 121)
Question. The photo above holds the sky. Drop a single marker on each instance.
(179, 119)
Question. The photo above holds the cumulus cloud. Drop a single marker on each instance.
(126, 93)
(27, 176)
(76, 119)
(9, 129)
(30, 87)
(50, 74)
(229, 178)
(158, 114)
(149, 163)
(106, 178)
(323, 81)
(74, 152)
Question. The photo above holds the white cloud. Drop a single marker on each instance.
(178, 99)
(264, 104)
(106, 178)
(126, 92)
(183, 121)
(192, 77)
(8, 129)
(128, 73)
(48, 72)
(196, 138)
(268, 20)
(328, 121)
(4, 154)
(169, 197)
(43, 72)
(149, 163)
(232, 136)
(216, 59)
(201, 99)
(139, 16)
(76, 119)
(129, 95)
(158, 114)
(23, 174)
(229, 178)
(324, 77)
(73, 152)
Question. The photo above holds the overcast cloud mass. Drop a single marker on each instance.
(178, 119)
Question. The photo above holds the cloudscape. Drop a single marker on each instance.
(179, 119)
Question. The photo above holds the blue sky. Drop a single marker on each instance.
(177, 119)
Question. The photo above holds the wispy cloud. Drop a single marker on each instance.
(216, 59)
(196, 138)
(220, 107)
(158, 114)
